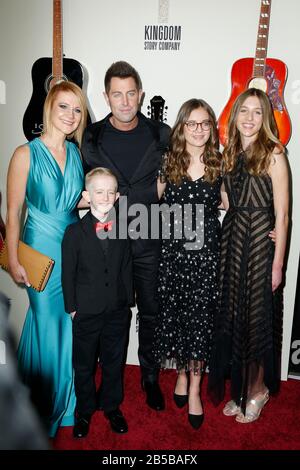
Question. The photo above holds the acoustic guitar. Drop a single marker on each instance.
(260, 72)
(46, 71)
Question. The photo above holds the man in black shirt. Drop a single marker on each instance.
(132, 146)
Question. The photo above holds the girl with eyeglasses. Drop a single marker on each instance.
(190, 183)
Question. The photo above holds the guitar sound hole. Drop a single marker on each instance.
(259, 83)
(50, 78)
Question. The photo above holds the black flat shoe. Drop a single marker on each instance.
(196, 420)
(117, 421)
(81, 428)
(180, 400)
(154, 395)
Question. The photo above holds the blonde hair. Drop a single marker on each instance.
(260, 151)
(99, 171)
(69, 87)
(178, 158)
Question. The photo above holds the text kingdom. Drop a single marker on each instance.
(162, 33)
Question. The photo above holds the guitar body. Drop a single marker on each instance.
(41, 78)
(275, 78)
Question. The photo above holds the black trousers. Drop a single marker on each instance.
(103, 335)
(145, 270)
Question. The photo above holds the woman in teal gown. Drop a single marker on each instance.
(51, 177)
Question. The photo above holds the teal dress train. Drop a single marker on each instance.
(45, 349)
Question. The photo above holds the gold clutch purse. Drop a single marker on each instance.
(37, 266)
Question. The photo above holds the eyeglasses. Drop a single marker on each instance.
(193, 125)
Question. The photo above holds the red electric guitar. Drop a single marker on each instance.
(266, 74)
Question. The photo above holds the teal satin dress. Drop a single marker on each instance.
(45, 349)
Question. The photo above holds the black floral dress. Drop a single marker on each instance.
(188, 274)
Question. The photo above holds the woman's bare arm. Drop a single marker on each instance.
(278, 172)
(16, 188)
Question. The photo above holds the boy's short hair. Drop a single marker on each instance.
(99, 171)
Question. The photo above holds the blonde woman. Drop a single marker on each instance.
(47, 173)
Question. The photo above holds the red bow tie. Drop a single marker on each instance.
(106, 226)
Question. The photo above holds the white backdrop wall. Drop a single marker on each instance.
(98, 32)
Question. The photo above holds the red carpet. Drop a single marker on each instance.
(277, 428)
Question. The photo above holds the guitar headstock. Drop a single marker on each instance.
(157, 109)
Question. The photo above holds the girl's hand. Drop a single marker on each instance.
(73, 315)
(276, 277)
(272, 235)
(19, 274)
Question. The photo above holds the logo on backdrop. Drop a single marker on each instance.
(162, 36)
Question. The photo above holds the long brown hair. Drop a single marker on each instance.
(260, 151)
(178, 158)
(50, 98)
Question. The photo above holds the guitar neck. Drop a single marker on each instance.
(262, 39)
(57, 67)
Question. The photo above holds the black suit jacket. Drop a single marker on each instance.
(93, 281)
(142, 186)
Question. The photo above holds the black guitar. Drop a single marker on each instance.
(157, 109)
(45, 73)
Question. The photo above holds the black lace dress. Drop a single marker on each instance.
(187, 279)
(248, 327)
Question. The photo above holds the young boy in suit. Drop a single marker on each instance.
(97, 287)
